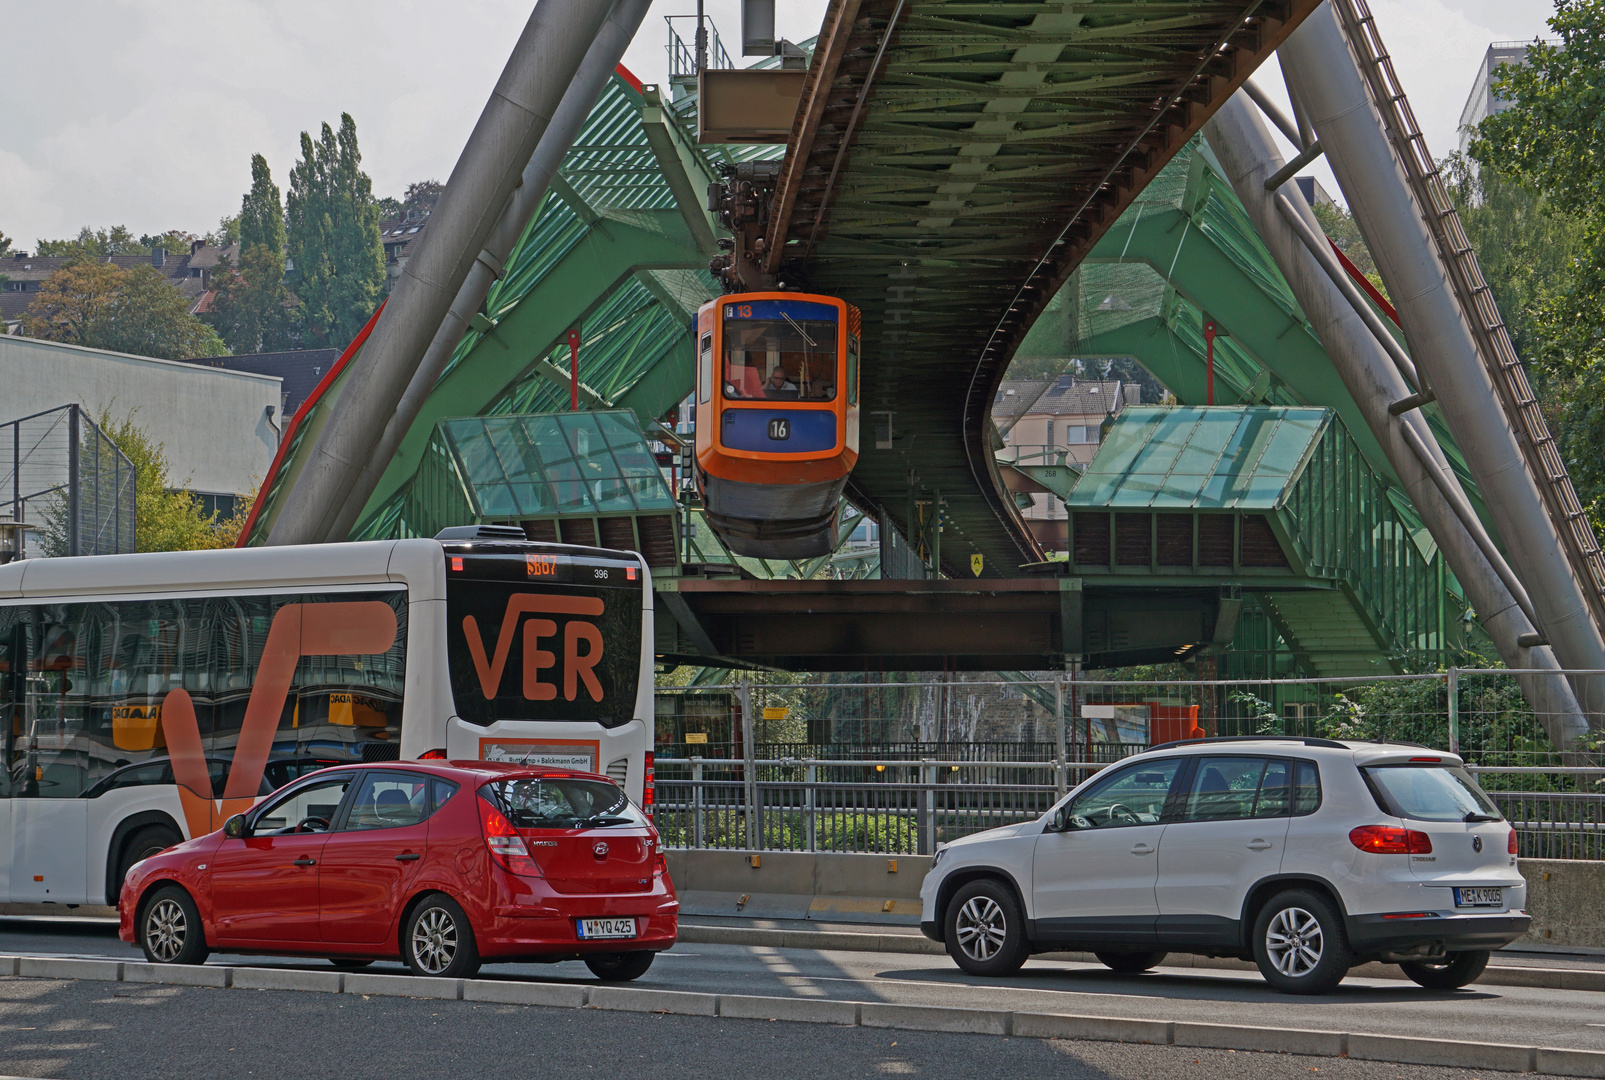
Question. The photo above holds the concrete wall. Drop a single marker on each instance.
(1566, 898)
(826, 886)
(211, 422)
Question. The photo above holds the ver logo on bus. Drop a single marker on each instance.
(581, 644)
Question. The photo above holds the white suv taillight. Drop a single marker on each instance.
(1390, 840)
(506, 846)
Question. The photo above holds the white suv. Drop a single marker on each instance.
(1308, 856)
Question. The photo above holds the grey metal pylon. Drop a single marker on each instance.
(1374, 379)
(581, 97)
(1326, 79)
(543, 63)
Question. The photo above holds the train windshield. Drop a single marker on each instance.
(780, 349)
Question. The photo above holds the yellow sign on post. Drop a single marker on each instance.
(776, 712)
(976, 562)
(696, 737)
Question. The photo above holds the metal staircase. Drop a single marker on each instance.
(1476, 301)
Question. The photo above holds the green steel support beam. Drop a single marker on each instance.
(1268, 331)
(585, 275)
(684, 169)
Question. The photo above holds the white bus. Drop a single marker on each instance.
(145, 698)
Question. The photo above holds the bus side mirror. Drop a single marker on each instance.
(234, 828)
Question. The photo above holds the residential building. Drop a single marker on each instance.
(190, 272)
(400, 237)
(300, 372)
(218, 428)
(1055, 421)
(1313, 192)
(1481, 103)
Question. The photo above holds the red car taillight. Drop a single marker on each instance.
(1511, 847)
(505, 845)
(660, 865)
(647, 794)
(1390, 840)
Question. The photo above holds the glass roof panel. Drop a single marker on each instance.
(546, 464)
(1203, 458)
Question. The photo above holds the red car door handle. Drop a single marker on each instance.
(304, 861)
(408, 857)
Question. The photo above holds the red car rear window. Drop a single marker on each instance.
(562, 803)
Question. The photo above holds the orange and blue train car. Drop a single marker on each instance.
(777, 419)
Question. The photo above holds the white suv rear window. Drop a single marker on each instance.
(1431, 793)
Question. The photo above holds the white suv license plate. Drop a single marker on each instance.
(595, 929)
(1479, 898)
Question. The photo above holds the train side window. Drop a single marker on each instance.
(852, 369)
(705, 369)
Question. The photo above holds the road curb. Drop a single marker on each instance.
(322, 982)
(633, 999)
(855, 941)
(1394, 1048)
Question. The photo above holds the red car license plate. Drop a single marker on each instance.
(595, 929)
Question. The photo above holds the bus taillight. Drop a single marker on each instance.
(646, 789)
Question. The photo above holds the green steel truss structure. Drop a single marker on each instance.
(1282, 505)
(935, 246)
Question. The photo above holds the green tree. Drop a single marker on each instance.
(1550, 141)
(166, 518)
(103, 306)
(420, 198)
(251, 309)
(250, 306)
(226, 233)
(333, 235)
(95, 244)
(261, 220)
(1527, 252)
(173, 241)
(5, 245)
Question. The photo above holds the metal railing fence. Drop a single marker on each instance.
(903, 766)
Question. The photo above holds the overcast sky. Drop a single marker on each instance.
(145, 113)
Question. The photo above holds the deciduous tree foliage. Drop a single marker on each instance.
(165, 518)
(94, 243)
(250, 305)
(1551, 142)
(102, 306)
(261, 220)
(334, 246)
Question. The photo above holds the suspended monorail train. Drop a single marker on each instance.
(777, 419)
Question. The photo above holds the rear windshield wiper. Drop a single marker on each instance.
(603, 819)
(1475, 816)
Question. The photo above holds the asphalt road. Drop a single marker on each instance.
(123, 1031)
(1560, 1018)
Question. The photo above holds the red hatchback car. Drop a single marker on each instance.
(447, 864)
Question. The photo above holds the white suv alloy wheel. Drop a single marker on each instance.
(1294, 942)
(981, 928)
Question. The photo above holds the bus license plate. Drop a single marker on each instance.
(1479, 898)
(596, 929)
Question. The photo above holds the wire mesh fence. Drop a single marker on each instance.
(904, 766)
(65, 487)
